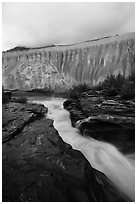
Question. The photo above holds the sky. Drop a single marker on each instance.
(37, 24)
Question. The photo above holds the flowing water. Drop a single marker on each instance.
(103, 156)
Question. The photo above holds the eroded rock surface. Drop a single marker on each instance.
(16, 116)
(38, 166)
(60, 67)
(112, 121)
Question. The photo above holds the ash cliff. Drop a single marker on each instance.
(63, 66)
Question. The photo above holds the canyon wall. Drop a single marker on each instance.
(60, 67)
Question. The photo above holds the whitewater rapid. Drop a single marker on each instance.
(102, 156)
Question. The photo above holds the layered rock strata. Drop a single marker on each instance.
(111, 121)
(59, 67)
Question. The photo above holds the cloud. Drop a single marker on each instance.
(40, 24)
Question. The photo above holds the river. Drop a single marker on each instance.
(102, 156)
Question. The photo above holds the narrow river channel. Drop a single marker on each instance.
(101, 155)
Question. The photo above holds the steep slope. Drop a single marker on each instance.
(62, 66)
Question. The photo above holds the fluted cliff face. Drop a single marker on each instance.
(63, 66)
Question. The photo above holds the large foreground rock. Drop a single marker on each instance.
(15, 116)
(39, 166)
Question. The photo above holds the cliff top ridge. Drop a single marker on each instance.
(88, 43)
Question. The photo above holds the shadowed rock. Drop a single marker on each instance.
(39, 167)
(106, 120)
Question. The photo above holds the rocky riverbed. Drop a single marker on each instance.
(38, 166)
(109, 120)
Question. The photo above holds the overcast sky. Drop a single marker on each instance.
(41, 24)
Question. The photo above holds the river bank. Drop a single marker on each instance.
(39, 166)
(108, 130)
(110, 120)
